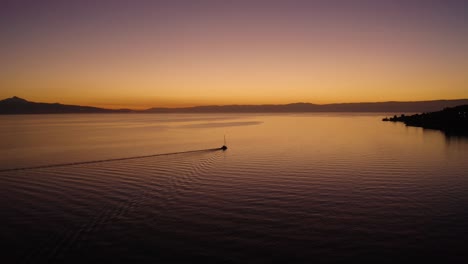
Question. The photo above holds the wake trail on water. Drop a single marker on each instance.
(108, 160)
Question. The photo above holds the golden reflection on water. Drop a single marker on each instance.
(30, 140)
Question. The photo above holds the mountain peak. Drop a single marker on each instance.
(15, 99)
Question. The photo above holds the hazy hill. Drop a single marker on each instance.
(420, 106)
(16, 105)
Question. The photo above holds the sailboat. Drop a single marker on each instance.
(224, 147)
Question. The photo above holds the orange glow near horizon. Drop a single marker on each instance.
(235, 55)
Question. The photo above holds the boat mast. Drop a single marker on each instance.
(224, 147)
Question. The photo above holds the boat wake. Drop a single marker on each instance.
(108, 160)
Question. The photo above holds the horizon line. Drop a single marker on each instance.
(240, 104)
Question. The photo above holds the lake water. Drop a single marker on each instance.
(290, 188)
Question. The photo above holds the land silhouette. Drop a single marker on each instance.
(16, 105)
(451, 120)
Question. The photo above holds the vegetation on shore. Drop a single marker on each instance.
(452, 120)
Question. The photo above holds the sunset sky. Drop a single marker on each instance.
(142, 54)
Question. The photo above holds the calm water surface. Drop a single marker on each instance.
(290, 188)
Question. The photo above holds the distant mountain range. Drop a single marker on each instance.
(16, 105)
